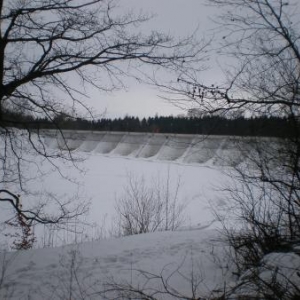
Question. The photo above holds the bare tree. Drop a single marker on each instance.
(262, 40)
(148, 207)
(50, 51)
(266, 82)
(43, 41)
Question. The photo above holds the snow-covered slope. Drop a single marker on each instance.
(82, 271)
(187, 263)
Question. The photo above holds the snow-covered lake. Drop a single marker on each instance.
(102, 179)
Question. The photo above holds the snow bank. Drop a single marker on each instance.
(53, 272)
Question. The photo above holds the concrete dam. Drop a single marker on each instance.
(183, 148)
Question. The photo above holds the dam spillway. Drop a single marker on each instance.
(184, 148)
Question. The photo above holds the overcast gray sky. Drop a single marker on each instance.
(177, 17)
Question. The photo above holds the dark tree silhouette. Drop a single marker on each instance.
(262, 37)
(50, 51)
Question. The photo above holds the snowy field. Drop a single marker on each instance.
(81, 264)
(107, 161)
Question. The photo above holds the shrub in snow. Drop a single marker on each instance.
(277, 277)
(146, 208)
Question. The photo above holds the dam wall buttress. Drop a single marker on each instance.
(183, 148)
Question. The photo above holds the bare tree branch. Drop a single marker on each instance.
(50, 51)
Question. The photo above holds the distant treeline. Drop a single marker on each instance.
(261, 126)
